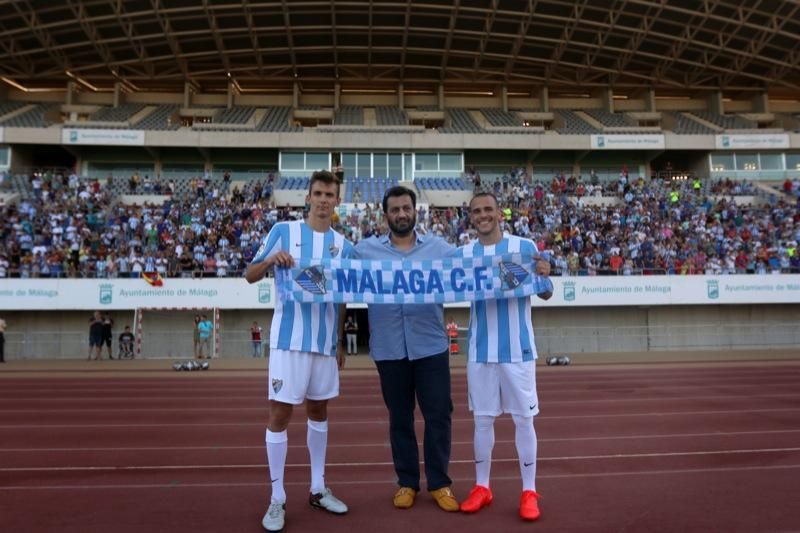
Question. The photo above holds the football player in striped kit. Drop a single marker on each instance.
(501, 354)
(305, 352)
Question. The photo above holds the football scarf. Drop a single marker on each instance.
(456, 279)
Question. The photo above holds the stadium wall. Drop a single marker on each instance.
(606, 331)
(364, 140)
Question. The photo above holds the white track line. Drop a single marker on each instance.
(574, 374)
(371, 464)
(568, 375)
(391, 481)
(204, 393)
(384, 421)
(338, 407)
(633, 389)
(385, 444)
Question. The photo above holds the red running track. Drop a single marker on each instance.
(653, 448)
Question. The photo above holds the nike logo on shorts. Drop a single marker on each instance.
(531, 407)
(527, 464)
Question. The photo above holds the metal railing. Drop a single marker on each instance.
(36, 344)
(178, 344)
(713, 336)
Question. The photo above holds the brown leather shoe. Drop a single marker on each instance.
(404, 498)
(446, 499)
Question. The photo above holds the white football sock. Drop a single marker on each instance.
(317, 441)
(483, 445)
(526, 450)
(277, 447)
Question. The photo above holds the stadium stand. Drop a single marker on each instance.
(567, 214)
(33, 118)
(644, 226)
(728, 122)
(160, 119)
(390, 116)
(685, 125)
(367, 189)
(498, 117)
(612, 120)
(460, 121)
(277, 119)
(8, 107)
(293, 184)
(441, 184)
(116, 114)
(349, 115)
(237, 115)
(575, 125)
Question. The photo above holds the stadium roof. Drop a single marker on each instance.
(677, 46)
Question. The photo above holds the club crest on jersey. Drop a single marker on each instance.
(312, 279)
(512, 275)
(334, 250)
(277, 384)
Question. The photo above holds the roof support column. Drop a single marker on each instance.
(715, 103)
(187, 94)
(504, 97)
(71, 89)
(544, 100)
(230, 94)
(400, 102)
(295, 95)
(650, 100)
(532, 155)
(607, 97)
(117, 93)
(441, 95)
(337, 96)
(158, 164)
(761, 103)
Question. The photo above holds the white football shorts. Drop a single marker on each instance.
(296, 376)
(496, 388)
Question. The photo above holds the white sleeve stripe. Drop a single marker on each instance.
(272, 243)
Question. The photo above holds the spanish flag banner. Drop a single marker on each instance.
(153, 279)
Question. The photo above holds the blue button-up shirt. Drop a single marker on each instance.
(405, 330)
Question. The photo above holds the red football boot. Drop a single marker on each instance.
(478, 498)
(529, 505)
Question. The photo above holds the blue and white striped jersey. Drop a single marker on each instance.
(500, 331)
(304, 327)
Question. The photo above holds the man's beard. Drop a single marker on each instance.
(404, 229)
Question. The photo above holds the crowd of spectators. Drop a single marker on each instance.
(652, 226)
(71, 226)
(78, 230)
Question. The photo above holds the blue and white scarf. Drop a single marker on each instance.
(457, 279)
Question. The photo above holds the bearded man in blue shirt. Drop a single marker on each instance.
(410, 350)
